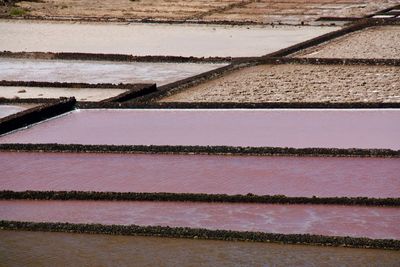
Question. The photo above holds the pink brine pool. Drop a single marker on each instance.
(258, 128)
(291, 176)
(372, 222)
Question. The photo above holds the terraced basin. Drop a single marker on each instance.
(290, 176)
(331, 220)
(367, 129)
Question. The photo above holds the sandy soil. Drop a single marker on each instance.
(299, 83)
(81, 94)
(98, 71)
(245, 127)
(62, 249)
(375, 42)
(264, 11)
(152, 39)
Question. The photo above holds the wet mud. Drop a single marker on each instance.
(307, 177)
(328, 220)
(254, 128)
(22, 248)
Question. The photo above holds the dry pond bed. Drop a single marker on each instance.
(298, 83)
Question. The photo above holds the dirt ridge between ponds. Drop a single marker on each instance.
(208, 150)
(36, 114)
(195, 197)
(199, 233)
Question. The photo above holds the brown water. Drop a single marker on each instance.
(18, 248)
(291, 176)
(332, 220)
(98, 71)
(373, 128)
(152, 39)
(7, 110)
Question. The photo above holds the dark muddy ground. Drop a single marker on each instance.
(20, 248)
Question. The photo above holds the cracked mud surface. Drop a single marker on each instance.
(299, 83)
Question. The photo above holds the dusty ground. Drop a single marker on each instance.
(299, 83)
(264, 11)
(375, 42)
(297, 11)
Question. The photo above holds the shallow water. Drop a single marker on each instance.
(18, 248)
(377, 128)
(291, 176)
(152, 39)
(98, 71)
(7, 110)
(332, 220)
(81, 94)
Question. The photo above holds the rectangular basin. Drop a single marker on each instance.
(22, 248)
(81, 71)
(80, 94)
(7, 110)
(290, 176)
(330, 220)
(298, 83)
(332, 128)
(152, 39)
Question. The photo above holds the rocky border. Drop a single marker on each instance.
(195, 197)
(199, 233)
(36, 114)
(112, 57)
(206, 150)
(239, 105)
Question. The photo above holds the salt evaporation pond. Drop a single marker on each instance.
(7, 110)
(24, 248)
(307, 176)
(152, 39)
(80, 94)
(298, 128)
(332, 220)
(81, 71)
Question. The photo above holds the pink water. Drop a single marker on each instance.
(291, 176)
(258, 128)
(372, 222)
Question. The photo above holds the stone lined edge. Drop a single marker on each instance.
(195, 197)
(208, 150)
(199, 233)
(36, 114)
